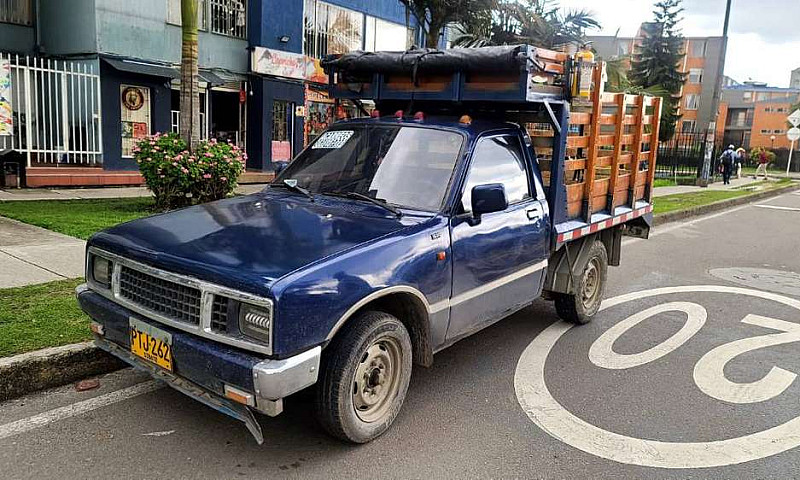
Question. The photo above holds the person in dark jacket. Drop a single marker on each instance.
(727, 159)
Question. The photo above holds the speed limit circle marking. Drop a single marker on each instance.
(549, 415)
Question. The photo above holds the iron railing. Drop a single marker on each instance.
(228, 17)
(50, 110)
(683, 156)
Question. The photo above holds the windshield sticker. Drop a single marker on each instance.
(333, 139)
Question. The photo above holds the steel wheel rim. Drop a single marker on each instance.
(377, 379)
(591, 283)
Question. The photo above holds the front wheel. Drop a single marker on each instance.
(364, 378)
(581, 306)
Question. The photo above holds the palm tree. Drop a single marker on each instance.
(536, 22)
(190, 90)
(434, 15)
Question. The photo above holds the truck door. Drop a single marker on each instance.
(499, 260)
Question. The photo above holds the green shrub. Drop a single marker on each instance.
(757, 152)
(178, 178)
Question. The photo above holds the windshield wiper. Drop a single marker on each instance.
(380, 203)
(292, 185)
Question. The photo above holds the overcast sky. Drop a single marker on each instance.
(764, 42)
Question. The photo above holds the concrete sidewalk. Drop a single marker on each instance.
(30, 255)
(12, 194)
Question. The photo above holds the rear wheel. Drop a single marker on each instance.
(581, 306)
(364, 378)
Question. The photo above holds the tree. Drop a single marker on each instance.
(434, 15)
(536, 22)
(190, 90)
(655, 63)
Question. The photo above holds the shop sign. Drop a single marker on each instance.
(287, 64)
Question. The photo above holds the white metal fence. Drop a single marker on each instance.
(54, 108)
(228, 17)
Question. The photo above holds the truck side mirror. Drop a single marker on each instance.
(488, 198)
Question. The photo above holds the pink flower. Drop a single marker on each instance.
(152, 143)
(161, 176)
(224, 179)
(156, 148)
(244, 156)
(147, 159)
(209, 154)
(191, 160)
(174, 142)
(184, 170)
(206, 175)
(178, 157)
(174, 164)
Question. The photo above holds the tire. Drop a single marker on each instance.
(581, 306)
(364, 377)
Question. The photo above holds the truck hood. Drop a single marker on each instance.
(248, 242)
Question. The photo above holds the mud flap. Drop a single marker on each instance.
(190, 389)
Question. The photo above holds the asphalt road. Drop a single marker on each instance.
(691, 382)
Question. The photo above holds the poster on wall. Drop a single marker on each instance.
(6, 110)
(281, 151)
(135, 116)
(319, 113)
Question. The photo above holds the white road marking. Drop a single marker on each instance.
(709, 372)
(603, 355)
(545, 411)
(79, 408)
(776, 207)
(159, 434)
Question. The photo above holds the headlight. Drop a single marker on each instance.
(101, 271)
(255, 321)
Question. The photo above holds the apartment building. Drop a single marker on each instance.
(753, 114)
(700, 64)
(88, 78)
(794, 80)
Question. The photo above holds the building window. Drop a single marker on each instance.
(696, 75)
(688, 126)
(174, 13)
(747, 97)
(779, 132)
(762, 96)
(16, 11)
(765, 131)
(329, 29)
(228, 17)
(623, 49)
(382, 35)
(698, 48)
(692, 101)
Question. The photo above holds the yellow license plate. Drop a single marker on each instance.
(151, 343)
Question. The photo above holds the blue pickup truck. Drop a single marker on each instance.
(388, 239)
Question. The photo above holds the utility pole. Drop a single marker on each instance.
(712, 125)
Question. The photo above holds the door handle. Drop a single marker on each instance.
(534, 213)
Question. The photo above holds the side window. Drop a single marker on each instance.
(498, 160)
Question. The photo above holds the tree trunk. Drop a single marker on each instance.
(434, 30)
(190, 90)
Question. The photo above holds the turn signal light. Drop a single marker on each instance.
(465, 120)
(239, 396)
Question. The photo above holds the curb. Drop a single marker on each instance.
(52, 367)
(678, 215)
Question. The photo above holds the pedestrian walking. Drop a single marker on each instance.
(741, 155)
(763, 161)
(728, 158)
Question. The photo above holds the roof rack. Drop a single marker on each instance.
(513, 74)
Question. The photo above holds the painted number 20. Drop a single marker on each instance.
(709, 372)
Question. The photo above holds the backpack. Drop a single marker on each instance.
(727, 157)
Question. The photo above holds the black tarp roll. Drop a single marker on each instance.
(507, 58)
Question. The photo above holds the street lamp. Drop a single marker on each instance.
(772, 139)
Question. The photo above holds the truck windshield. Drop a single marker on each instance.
(404, 166)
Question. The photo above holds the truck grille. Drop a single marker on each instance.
(219, 314)
(166, 298)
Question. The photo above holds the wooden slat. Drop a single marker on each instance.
(630, 120)
(648, 119)
(637, 148)
(641, 181)
(593, 143)
(625, 158)
(628, 139)
(575, 192)
(631, 99)
(556, 68)
(608, 119)
(654, 149)
(610, 97)
(552, 55)
(571, 165)
(580, 118)
(604, 162)
(604, 140)
(601, 187)
(623, 182)
(617, 153)
(646, 137)
(578, 142)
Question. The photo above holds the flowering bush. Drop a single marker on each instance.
(178, 178)
(762, 155)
